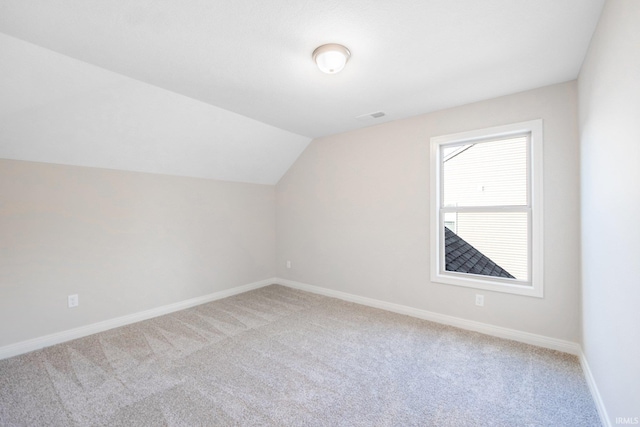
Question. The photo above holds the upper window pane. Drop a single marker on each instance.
(491, 173)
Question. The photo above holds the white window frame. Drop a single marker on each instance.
(534, 286)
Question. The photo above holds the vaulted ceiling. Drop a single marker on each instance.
(227, 89)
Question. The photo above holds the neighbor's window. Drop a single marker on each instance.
(486, 228)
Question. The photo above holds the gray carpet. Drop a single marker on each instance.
(282, 357)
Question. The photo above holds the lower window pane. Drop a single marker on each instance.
(487, 243)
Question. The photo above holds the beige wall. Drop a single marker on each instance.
(353, 214)
(125, 242)
(609, 91)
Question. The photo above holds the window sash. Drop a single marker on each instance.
(487, 140)
(442, 250)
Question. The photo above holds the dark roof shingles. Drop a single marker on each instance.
(462, 257)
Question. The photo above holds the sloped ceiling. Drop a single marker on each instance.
(57, 109)
(227, 90)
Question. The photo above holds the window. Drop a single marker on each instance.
(486, 203)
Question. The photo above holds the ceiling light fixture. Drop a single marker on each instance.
(331, 58)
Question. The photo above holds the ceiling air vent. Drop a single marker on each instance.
(370, 117)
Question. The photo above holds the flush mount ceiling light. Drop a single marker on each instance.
(331, 58)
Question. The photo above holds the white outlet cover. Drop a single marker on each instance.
(73, 300)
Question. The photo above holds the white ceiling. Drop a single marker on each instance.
(227, 89)
(56, 109)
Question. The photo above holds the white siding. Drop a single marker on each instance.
(487, 174)
(500, 236)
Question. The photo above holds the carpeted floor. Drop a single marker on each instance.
(282, 357)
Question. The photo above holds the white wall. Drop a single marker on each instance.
(353, 214)
(609, 93)
(124, 241)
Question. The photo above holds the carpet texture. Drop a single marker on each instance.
(282, 357)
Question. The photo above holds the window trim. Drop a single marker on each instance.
(535, 204)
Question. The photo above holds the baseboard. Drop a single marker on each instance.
(71, 334)
(595, 393)
(497, 331)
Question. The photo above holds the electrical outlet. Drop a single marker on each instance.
(479, 300)
(73, 300)
(288, 264)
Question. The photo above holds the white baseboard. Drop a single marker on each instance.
(82, 331)
(497, 331)
(595, 393)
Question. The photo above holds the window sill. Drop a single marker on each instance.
(469, 281)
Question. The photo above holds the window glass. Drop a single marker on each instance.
(488, 243)
(492, 173)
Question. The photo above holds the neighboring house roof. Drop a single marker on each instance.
(462, 257)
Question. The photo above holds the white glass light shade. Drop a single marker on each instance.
(331, 58)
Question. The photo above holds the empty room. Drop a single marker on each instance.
(320, 213)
